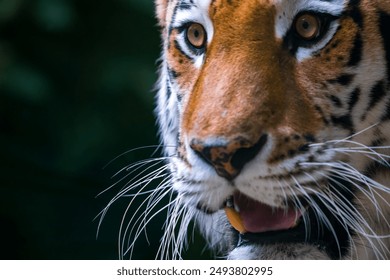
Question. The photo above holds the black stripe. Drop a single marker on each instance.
(344, 79)
(185, 4)
(354, 98)
(355, 13)
(386, 115)
(169, 90)
(336, 101)
(343, 121)
(375, 167)
(178, 47)
(377, 93)
(173, 74)
(384, 22)
(357, 51)
(378, 142)
(321, 113)
(179, 97)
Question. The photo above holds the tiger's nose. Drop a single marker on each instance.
(228, 157)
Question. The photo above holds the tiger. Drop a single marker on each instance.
(274, 118)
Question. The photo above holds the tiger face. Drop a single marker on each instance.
(274, 115)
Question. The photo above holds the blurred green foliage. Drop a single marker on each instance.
(76, 79)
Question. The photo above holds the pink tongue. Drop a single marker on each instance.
(258, 217)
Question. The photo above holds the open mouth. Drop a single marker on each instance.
(249, 216)
(258, 223)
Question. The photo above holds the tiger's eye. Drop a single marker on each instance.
(308, 26)
(196, 35)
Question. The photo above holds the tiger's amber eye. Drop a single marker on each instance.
(308, 26)
(196, 35)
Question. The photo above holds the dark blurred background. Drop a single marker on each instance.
(76, 91)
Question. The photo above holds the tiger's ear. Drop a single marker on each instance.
(161, 11)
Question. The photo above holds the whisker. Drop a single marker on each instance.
(143, 183)
(320, 214)
(123, 191)
(346, 138)
(350, 215)
(146, 218)
(156, 147)
(138, 165)
(157, 195)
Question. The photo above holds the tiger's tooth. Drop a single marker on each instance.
(295, 224)
(235, 219)
(229, 203)
(298, 219)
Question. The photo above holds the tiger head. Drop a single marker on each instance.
(274, 115)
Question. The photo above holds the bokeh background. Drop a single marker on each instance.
(76, 92)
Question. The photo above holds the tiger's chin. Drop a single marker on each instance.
(277, 251)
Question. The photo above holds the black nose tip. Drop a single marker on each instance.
(228, 159)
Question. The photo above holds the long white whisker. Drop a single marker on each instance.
(139, 165)
(124, 191)
(346, 138)
(159, 146)
(146, 219)
(346, 209)
(157, 195)
(144, 182)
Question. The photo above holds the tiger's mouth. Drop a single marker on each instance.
(257, 223)
(250, 216)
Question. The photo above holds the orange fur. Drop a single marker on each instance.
(247, 82)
